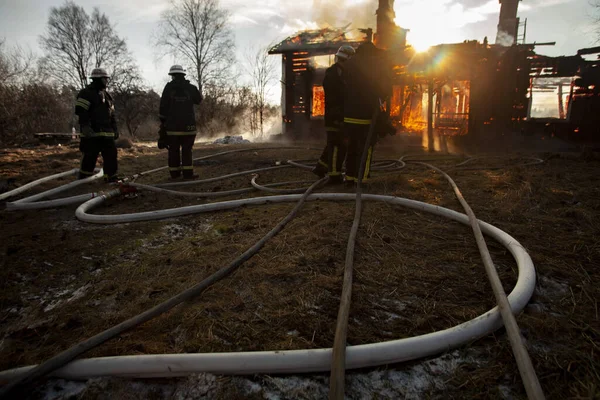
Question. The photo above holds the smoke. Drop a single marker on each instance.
(504, 39)
(244, 125)
(335, 13)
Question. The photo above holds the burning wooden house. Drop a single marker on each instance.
(305, 57)
(473, 87)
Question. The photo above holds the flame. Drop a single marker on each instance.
(407, 108)
(395, 101)
(318, 101)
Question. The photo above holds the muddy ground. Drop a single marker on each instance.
(64, 280)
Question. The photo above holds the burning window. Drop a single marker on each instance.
(318, 101)
(325, 61)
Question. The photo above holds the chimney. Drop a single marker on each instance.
(508, 25)
(388, 35)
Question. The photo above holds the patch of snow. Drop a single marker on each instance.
(390, 316)
(174, 231)
(62, 389)
(200, 386)
(53, 304)
(416, 381)
(60, 294)
(506, 392)
(549, 287)
(396, 304)
(205, 227)
(77, 294)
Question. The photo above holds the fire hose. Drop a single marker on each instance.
(526, 370)
(338, 363)
(312, 360)
(75, 351)
(81, 213)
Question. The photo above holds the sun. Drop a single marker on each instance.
(419, 46)
(430, 22)
(421, 40)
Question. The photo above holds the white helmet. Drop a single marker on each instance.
(99, 73)
(345, 52)
(176, 69)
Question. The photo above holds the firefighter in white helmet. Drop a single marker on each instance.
(333, 155)
(178, 122)
(96, 111)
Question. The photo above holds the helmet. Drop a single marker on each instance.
(345, 52)
(176, 69)
(99, 73)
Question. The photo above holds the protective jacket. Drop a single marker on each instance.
(366, 81)
(333, 85)
(96, 110)
(177, 107)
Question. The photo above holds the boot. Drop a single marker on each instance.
(319, 171)
(112, 179)
(335, 180)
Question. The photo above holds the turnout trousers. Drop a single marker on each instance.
(180, 155)
(93, 146)
(357, 137)
(334, 154)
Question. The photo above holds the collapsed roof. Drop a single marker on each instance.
(324, 40)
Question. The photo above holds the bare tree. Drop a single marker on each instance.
(262, 69)
(76, 42)
(134, 103)
(15, 63)
(197, 32)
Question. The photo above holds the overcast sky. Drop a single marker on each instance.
(256, 23)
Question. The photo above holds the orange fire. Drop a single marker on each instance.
(450, 107)
(318, 101)
(407, 109)
(395, 101)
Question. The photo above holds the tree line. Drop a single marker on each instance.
(37, 93)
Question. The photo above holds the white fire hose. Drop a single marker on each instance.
(298, 361)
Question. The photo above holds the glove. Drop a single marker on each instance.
(162, 137)
(384, 126)
(162, 143)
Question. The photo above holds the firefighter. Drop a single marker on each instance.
(178, 122)
(334, 153)
(366, 80)
(96, 111)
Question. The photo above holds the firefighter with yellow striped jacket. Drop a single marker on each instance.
(367, 83)
(98, 126)
(333, 156)
(178, 123)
